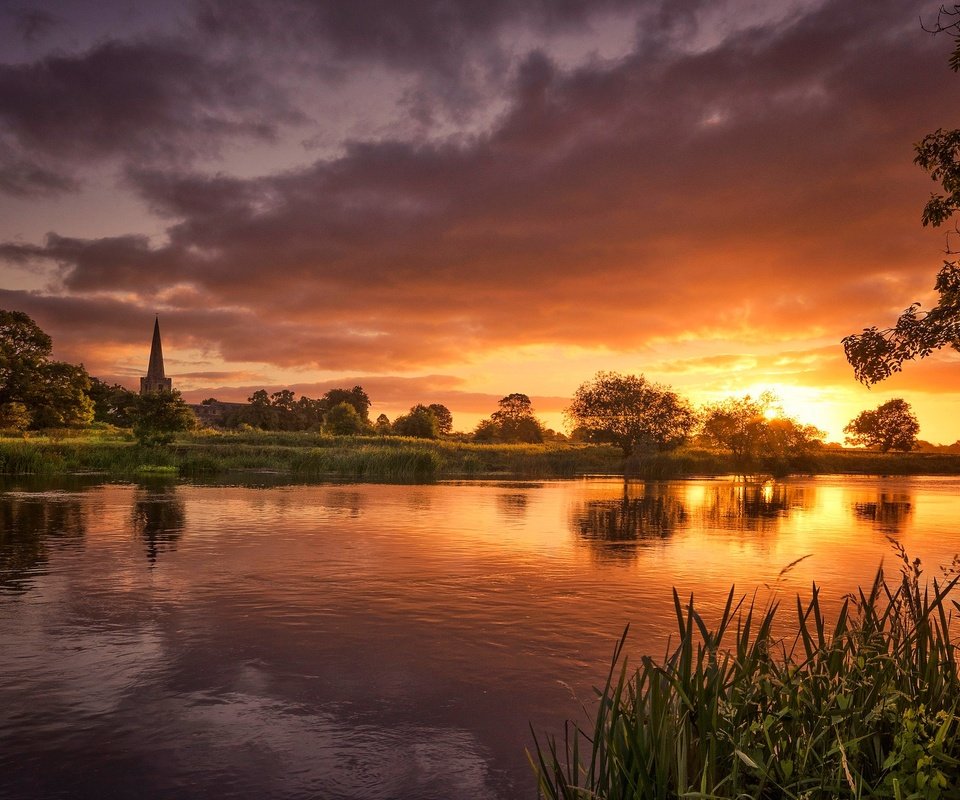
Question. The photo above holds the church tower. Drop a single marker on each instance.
(156, 381)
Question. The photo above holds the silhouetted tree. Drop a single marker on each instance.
(382, 425)
(757, 434)
(890, 426)
(630, 412)
(876, 354)
(355, 397)
(444, 418)
(420, 422)
(513, 421)
(161, 415)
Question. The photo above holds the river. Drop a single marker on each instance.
(165, 640)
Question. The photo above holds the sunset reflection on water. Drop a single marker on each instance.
(357, 640)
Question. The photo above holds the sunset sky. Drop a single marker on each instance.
(452, 200)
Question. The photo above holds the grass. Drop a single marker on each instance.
(864, 707)
(313, 456)
(302, 455)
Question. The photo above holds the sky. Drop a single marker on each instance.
(448, 201)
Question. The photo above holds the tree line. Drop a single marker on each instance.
(628, 411)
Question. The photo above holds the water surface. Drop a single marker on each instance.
(378, 641)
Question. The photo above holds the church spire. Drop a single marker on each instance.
(156, 380)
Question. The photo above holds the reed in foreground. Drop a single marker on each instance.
(864, 707)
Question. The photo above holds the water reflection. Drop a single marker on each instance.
(513, 505)
(29, 524)
(888, 512)
(641, 513)
(647, 512)
(752, 506)
(159, 517)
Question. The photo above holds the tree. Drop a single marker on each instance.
(60, 396)
(890, 426)
(420, 422)
(876, 354)
(343, 420)
(444, 418)
(757, 434)
(161, 415)
(630, 412)
(14, 417)
(113, 404)
(355, 397)
(260, 413)
(382, 426)
(55, 394)
(24, 350)
(513, 421)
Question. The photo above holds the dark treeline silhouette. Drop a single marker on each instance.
(636, 415)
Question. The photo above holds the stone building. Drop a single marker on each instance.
(156, 380)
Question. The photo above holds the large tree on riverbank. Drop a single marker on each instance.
(53, 394)
(890, 426)
(631, 412)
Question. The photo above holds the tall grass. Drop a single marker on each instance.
(301, 454)
(864, 707)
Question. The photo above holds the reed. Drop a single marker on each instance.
(303, 454)
(864, 707)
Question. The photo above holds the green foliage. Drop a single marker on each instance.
(343, 420)
(161, 415)
(114, 404)
(630, 412)
(24, 350)
(55, 394)
(14, 417)
(371, 462)
(890, 426)
(864, 708)
(60, 397)
(421, 423)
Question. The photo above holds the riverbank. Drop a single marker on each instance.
(318, 457)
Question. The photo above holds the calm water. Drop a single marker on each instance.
(371, 641)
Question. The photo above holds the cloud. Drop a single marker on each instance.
(33, 25)
(756, 189)
(29, 179)
(160, 101)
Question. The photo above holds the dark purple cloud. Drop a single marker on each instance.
(413, 35)
(759, 188)
(33, 25)
(151, 100)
